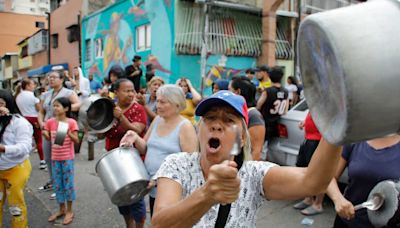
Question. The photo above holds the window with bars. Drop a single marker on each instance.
(88, 50)
(143, 37)
(54, 40)
(229, 32)
(99, 49)
(315, 6)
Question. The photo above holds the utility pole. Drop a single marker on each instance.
(204, 47)
(298, 20)
(48, 15)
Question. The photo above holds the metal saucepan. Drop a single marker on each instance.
(61, 133)
(388, 215)
(96, 113)
(349, 60)
(123, 175)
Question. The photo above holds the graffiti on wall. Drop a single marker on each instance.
(114, 38)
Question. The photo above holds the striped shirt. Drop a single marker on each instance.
(66, 151)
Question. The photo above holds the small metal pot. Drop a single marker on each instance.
(123, 175)
(96, 113)
(61, 133)
(388, 215)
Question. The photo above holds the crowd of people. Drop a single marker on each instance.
(161, 120)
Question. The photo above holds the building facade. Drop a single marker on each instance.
(65, 33)
(16, 27)
(36, 7)
(33, 52)
(8, 69)
(167, 34)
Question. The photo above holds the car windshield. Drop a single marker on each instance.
(302, 106)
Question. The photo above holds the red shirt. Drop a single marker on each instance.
(311, 131)
(135, 113)
(66, 151)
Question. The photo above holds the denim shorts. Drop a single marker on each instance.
(136, 210)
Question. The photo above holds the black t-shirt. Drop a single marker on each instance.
(129, 70)
(273, 108)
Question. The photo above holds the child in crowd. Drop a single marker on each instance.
(62, 158)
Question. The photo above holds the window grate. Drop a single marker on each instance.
(229, 33)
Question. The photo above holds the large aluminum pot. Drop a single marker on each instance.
(349, 61)
(123, 175)
(96, 114)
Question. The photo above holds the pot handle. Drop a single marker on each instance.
(140, 193)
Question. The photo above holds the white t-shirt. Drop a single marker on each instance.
(17, 140)
(26, 101)
(291, 88)
(184, 168)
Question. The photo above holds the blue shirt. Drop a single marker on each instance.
(367, 167)
(94, 86)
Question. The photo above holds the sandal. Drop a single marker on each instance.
(68, 218)
(301, 205)
(54, 217)
(309, 211)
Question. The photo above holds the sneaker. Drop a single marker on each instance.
(52, 196)
(47, 187)
(42, 164)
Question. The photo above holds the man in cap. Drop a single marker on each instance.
(262, 74)
(134, 72)
(192, 186)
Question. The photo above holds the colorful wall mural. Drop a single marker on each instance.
(110, 36)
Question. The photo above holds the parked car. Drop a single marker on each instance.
(284, 150)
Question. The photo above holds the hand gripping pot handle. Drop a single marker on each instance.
(349, 63)
(123, 175)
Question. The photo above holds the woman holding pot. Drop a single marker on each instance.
(368, 163)
(168, 134)
(15, 168)
(57, 90)
(192, 186)
(130, 115)
(192, 98)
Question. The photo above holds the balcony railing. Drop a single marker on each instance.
(229, 32)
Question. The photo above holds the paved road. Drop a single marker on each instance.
(94, 209)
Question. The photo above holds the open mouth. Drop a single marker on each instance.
(214, 144)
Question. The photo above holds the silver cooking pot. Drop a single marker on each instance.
(62, 131)
(96, 114)
(123, 175)
(349, 60)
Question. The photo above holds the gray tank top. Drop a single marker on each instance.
(158, 148)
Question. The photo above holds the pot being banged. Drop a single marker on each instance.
(123, 175)
(62, 131)
(96, 114)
